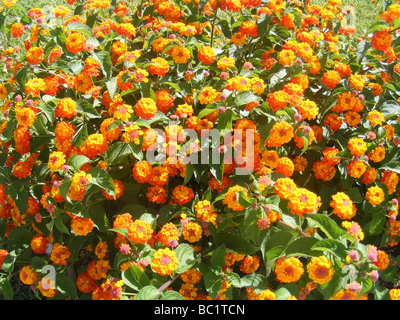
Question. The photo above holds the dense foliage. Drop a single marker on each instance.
(222, 149)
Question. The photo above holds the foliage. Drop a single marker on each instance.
(199, 150)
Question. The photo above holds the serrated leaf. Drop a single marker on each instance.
(77, 161)
(19, 194)
(8, 262)
(116, 152)
(243, 199)
(302, 247)
(79, 27)
(245, 97)
(327, 225)
(171, 295)
(99, 217)
(255, 281)
(60, 225)
(186, 257)
(392, 166)
(332, 246)
(123, 232)
(102, 179)
(213, 283)
(148, 293)
(47, 110)
(66, 286)
(218, 256)
(64, 188)
(85, 108)
(6, 289)
(390, 109)
(135, 278)
(104, 59)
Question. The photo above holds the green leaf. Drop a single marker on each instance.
(174, 86)
(362, 48)
(77, 161)
(149, 218)
(217, 170)
(102, 179)
(76, 67)
(78, 209)
(391, 166)
(255, 281)
(171, 295)
(117, 152)
(111, 85)
(37, 263)
(330, 288)
(19, 194)
(135, 278)
(8, 262)
(332, 246)
(75, 244)
(302, 247)
(218, 257)
(148, 293)
(136, 151)
(85, 108)
(233, 240)
(99, 217)
(168, 212)
(18, 238)
(375, 226)
(188, 173)
(248, 226)
(80, 135)
(21, 77)
(262, 23)
(59, 223)
(234, 280)
(327, 225)
(123, 232)
(186, 257)
(355, 195)
(104, 59)
(225, 122)
(79, 27)
(245, 97)
(206, 111)
(282, 294)
(376, 26)
(47, 110)
(6, 289)
(390, 109)
(66, 286)
(380, 292)
(213, 283)
(64, 188)
(243, 199)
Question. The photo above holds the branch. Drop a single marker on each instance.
(294, 229)
(168, 283)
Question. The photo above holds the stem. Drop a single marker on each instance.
(213, 24)
(168, 283)
(294, 229)
(44, 70)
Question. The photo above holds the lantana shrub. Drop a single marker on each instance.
(199, 150)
